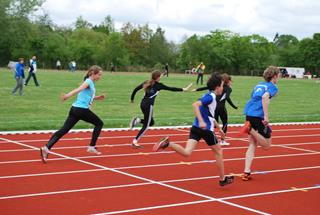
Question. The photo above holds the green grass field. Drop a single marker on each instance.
(40, 107)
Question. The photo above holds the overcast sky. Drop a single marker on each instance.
(181, 18)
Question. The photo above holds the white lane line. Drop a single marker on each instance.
(100, 137)
(50, 173)
(74, 190)
(84, 147)
(146, 143)
(199, 202)
(136, 154)
(147, 183)
(150, 135)
(155, 207)
(269, 193)
(176, 163)
(299, 149)
(145, 179)
(212, 161)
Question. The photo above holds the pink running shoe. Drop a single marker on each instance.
(161, 145)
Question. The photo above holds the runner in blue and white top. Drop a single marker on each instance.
(207, 110)
(257, 116)
(80, 111)
(221, 110)
(203, 128)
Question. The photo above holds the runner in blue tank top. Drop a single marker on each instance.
(257, 116)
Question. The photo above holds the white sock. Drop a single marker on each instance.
(138, 120)
(135, 142)
(46, 149)
(249, 157)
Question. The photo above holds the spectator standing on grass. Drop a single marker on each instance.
(32, 71)
(166, 70)
(19, 76)
(200, 70)
(72, 66)
(58, 65)
(112, 67)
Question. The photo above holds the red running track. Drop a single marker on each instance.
(123, 180)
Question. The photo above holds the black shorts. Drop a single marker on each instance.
(257, 124)
(198, 133)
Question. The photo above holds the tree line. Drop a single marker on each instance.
(140, 48)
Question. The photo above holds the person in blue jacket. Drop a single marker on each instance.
(19, 76)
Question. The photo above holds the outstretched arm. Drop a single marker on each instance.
(165, 87)
(135, 91)
(200, 89)
(229, 99)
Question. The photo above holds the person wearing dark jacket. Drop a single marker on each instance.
(151, 89)
(32, 71)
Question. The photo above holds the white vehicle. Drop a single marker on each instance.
(292, 72)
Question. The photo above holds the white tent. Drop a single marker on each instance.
(12, 65)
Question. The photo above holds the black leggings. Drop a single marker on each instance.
(223, 114)
(76, 114)
(33, 75)
(147, 120)
(200, 76)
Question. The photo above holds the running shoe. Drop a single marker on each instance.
(136, 146)
(44, 152)
(246, 176)
(224, 143)
(245, 128)
(93, 150)
(134, 121)
(161, 145)
(227, 180)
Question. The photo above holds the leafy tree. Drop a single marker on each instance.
(82, 23)
(107, 26)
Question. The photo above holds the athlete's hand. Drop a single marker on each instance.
(64, 97)
(222, 134)
(100, 97)
(202, 125)
(265, 121)
(187, 88)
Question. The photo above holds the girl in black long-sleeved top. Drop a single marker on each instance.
(221, 110)
(151, 89)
